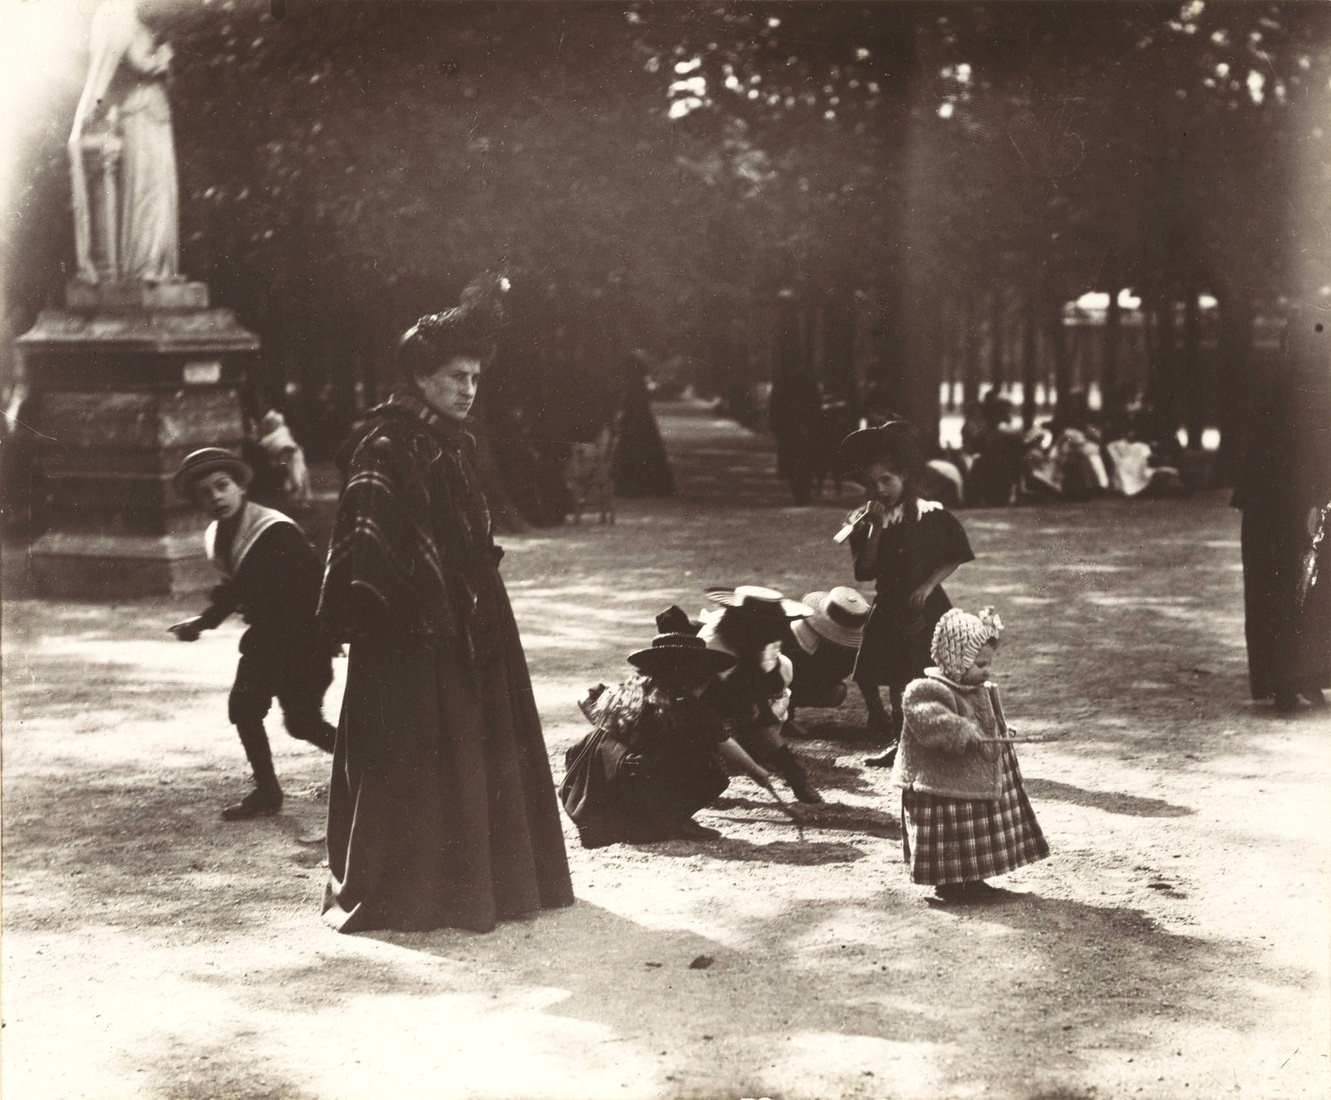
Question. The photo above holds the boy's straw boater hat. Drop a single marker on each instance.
(894, 441)
(838, 617)
(209, 460)
(681, 654)
(759, 603)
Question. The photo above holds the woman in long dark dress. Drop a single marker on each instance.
(441, 807)
(1285, 475)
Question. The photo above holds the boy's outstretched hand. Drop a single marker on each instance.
(187, 631)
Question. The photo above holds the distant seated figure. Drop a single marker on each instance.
(1133, 473)
(655, 756)
(1076, 449)
(1040, 472)
(944, 480)
(997, 466)
(285, 459)
(822, 647)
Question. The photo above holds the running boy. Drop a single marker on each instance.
(271, 576)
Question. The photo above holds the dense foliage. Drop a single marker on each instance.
(864, 190)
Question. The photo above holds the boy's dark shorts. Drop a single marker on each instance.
(295, 672)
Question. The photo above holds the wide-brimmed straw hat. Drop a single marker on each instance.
(762, 604)
(894, 441)
(838, 616)
(209, 460)
(680, 654)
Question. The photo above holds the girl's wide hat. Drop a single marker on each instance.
(209, 460)
(894, 441)
(759, 603)
(680, 654)
(838, 617)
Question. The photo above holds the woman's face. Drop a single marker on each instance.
(885, 481)
(451, 390)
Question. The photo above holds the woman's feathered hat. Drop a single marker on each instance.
(471, 328)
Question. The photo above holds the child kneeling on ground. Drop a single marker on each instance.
(270, 574)
(965, 816)
(657, 754)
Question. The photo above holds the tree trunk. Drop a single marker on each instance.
(1030, 354)
(1233, 381)
(918, 278)
(1165, 381)
(970, 361)
(996, 338)
(1058, 341)
(1109, 383)
(1191, 384)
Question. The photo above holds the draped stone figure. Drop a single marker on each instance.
(126, 226)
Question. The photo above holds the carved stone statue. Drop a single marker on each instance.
(126, 225)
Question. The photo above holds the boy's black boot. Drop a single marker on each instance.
(266, 798)
(792, 771)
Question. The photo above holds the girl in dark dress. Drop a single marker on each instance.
(908, 546)
(441, 807)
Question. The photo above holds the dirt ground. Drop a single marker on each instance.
(1175, 945)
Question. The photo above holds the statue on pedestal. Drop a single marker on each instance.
(128, 228)
(135, 370)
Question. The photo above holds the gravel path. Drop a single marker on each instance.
(1175, 945)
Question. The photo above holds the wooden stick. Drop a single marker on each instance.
(1028, 739)
(799, 828)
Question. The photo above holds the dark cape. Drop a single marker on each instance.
(441, 806)
(1284, 472)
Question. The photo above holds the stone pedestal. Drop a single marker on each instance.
(129, 378)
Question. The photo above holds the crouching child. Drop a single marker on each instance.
(658, 754)
(270, 574)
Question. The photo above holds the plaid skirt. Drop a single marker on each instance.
(960, 840)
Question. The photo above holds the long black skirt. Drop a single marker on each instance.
(441, 806)
(1289, 650)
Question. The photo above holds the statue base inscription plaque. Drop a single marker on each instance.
(129, 378)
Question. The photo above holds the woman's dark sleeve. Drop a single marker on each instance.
(367, 571)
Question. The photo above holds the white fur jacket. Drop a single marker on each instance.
(941, 751)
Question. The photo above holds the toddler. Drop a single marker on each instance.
(965, 816)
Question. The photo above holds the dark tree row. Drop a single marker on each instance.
(868, 190)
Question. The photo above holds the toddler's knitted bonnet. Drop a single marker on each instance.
(959, 636)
